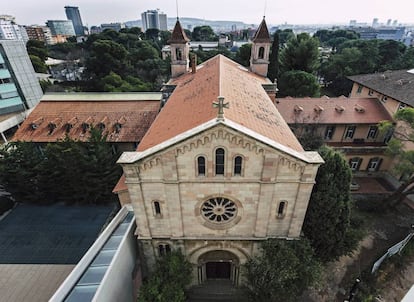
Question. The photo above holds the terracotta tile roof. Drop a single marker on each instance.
(332, 110)
(190, 105)
(262, 34)
(397, 84)
(120, 185)
(57, 114)
(178, 35)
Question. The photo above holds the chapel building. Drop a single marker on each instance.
(219, 171)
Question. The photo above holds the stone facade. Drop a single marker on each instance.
(172, 201)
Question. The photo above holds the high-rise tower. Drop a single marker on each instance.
(72, 13)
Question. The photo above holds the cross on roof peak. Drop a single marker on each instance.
(220, 105)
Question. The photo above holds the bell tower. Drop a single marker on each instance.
(259, 57)
(180, 50)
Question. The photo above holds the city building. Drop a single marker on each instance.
(123, 117)
(9, 30)
(114, 26)
(19, 88)
(349, 125)
(61, 27)
(154, 19)
(40, 33)
(219, 170)
(73, 14)
(383, 33)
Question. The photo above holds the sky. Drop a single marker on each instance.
(95, 12)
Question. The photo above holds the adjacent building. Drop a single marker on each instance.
(123, 117)
(39, 33)
(9, 30)
(349, 125)
(73, 14)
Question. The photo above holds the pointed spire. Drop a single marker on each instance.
(262, 34)
(178, 34)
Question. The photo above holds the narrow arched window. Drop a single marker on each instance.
(201, 166)
(220, 161)
(238, 162)
(261, 52)
(281, 209)
(179, 54)
(157, 208)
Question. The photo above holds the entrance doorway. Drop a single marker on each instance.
(218, 270)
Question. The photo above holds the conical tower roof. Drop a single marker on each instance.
(262, 34)
(178, 34)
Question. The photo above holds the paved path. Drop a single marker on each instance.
(31, 283)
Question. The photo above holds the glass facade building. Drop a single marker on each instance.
(72, 13)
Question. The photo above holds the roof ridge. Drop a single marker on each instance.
(262, 34)
(178, 35)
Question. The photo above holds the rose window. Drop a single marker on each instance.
(219, 210)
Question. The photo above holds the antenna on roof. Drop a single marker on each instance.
(176, 5)
(264, 12)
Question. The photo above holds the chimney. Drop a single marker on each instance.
(194, 63)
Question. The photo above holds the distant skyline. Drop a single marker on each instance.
(95, 12)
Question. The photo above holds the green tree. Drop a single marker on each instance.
(38, 64)
(114, 83)
(297, 83)
(283, 271)
(327, 222)
(203, 33)
(400, 148)
(284, 36)
(243, 54)
(301, 53)
(390, 54)
(273, 71)
(167, 284)
(37, 48)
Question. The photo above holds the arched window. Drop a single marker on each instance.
(238, 162)
(201, 166)
(261, 52)
(157, 208)
(220, 161)
(164, 249)
(281, 209)
(179, 54)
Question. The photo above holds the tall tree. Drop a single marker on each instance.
(273, 71)
(327, 221)
(301, 53)
(283, 271)
(203, 33)
(243, 55)
(297, 83)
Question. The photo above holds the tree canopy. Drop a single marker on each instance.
(283, 271)
(327, 221)
(203, 33)
(297, 83)
(64, 171)
(171, 276)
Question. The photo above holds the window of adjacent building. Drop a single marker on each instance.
(384, 98)
(201, 166)
(360, 88)
(370, 92)
(157, 208)
(350, 131)
(329, 132)
(164, 249)
(281, 209)
(374, 164)
(238, 163)
(372, 132)
(355, 163)
(261, 52)
(401, 106)
(219, 161)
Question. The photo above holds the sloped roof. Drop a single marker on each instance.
(332, 110)
(178, 35)
(262, 34)
(397, 84)
(126, 116)
(190, 105)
